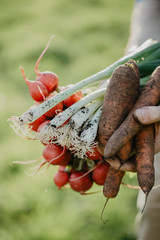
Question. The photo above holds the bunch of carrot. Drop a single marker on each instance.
(130, 147)
(89, 129)
(127, 144)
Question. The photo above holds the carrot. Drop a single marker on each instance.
(112, 183)
(125, 151)
(149, 96)
(111, 186)
(120, 96)
(144, 151)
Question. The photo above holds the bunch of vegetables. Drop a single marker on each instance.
(88, 128)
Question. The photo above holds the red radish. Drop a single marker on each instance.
(82, 184)
(49, 79)
(99, 174)
(36, 124)
(37, 90)
(61, 178)
(62, 168)
(73, 99)
(56, 109)
(42, 125)
(56, 155)
(94, 154)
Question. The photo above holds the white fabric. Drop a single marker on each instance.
(148, 223)
(145, 24)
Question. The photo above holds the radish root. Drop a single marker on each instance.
(103, 212)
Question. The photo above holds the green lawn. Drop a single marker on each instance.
(89, 35)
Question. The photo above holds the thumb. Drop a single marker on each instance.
(148, 115)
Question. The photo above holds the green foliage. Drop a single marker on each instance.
(89, 35)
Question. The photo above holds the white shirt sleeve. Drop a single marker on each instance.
(145, 23)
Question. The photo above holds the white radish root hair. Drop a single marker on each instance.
(66, 136)
(23, 130)
(48, 134)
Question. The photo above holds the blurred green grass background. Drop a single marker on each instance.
(89, 35)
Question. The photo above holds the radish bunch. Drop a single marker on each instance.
(81, 180)
(78, 168)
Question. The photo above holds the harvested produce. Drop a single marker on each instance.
(37, 90)
(149, 96)
(125, 151)
(100, 173)
(61, 178)
(112, 183)
(80, 184)
(49, 79)
(120, 96)
(87, 128)
(144, 153)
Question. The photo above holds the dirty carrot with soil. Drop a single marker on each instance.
(111, 186)
(112, 183)
(144, 151)
(125, 151)
(120, 96)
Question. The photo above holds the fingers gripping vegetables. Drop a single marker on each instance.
(128, 165)
(149, 96)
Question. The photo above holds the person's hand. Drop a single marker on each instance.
(148, 115)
